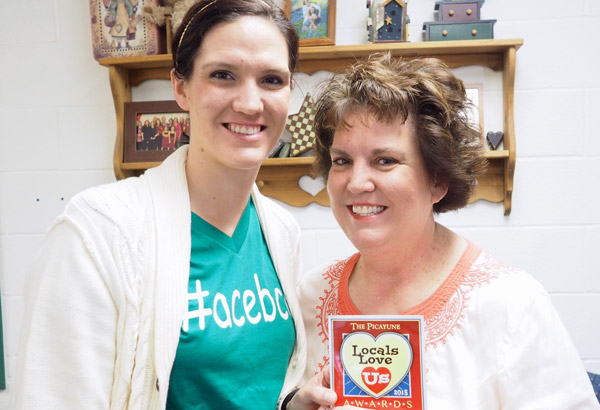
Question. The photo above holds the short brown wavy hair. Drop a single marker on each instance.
(425, 89)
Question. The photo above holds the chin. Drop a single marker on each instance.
(364, 240)
(248, 160)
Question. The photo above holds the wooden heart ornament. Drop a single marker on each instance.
(376, 365)
(494, 138)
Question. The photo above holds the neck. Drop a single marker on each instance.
(405, 256)
(218, 195)
(405, 277)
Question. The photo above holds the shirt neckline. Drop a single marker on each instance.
(430, 306)
(233, 242)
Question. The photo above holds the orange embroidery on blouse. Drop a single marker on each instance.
(443, 311)
(330, 299)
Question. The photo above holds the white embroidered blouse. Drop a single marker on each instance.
(493, 340)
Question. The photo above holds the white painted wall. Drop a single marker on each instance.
(58, 128)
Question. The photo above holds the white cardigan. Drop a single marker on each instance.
(106, 296)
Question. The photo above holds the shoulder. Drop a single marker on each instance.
(504, 285)
(488, 265)
(119, 203)
(131, 201)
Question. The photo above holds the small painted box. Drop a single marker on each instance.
(458, 10)
(460, 30)
(120, 30)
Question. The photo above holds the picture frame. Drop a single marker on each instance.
(314, 20)
(119, 29)
(142, 142)
(475, 114)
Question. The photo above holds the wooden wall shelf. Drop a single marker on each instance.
(278, 177)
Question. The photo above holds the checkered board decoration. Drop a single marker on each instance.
(301, 127)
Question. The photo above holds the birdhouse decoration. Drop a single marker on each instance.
(387, 21)
(459, 20)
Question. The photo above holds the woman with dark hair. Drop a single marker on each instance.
(176, 290)
(396, 148)
(147, 132)
(156, 140)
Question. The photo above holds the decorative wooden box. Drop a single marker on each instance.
(458, 10)
(459, 30)
(120, 30)
(459, 20)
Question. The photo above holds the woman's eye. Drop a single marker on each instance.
(221, 75)
(273, 80)
(386, 161)
(339, 161)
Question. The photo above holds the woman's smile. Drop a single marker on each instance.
(244, 129)
(366, 210)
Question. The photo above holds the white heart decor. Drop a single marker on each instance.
(311, 185)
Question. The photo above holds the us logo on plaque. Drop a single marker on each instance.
(377, 361)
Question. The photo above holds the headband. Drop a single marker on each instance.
(187, 26)
(192, 19)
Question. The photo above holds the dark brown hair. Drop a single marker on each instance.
(206, 14)
(392, 89)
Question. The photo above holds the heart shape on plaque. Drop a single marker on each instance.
(377, 379)
(311, 185)
(390, 352)
(494, 138)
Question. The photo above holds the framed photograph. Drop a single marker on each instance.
(153, 130)
(314, 20)
(475, 114)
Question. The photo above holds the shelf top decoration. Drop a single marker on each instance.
(458, 20)
(387, 21)
(119, 29)
(169, 13)
(301, 126)
(314, 20)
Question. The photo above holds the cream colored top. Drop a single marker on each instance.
(493, 340)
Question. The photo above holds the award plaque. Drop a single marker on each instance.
(377, 361)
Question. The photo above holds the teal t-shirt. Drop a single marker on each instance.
(238, 335)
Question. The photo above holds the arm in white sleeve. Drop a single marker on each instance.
(69, 336)
(540, 367)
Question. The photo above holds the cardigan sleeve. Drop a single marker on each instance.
(69, 336)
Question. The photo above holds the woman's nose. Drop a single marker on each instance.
(248, 99)
(360, 180)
